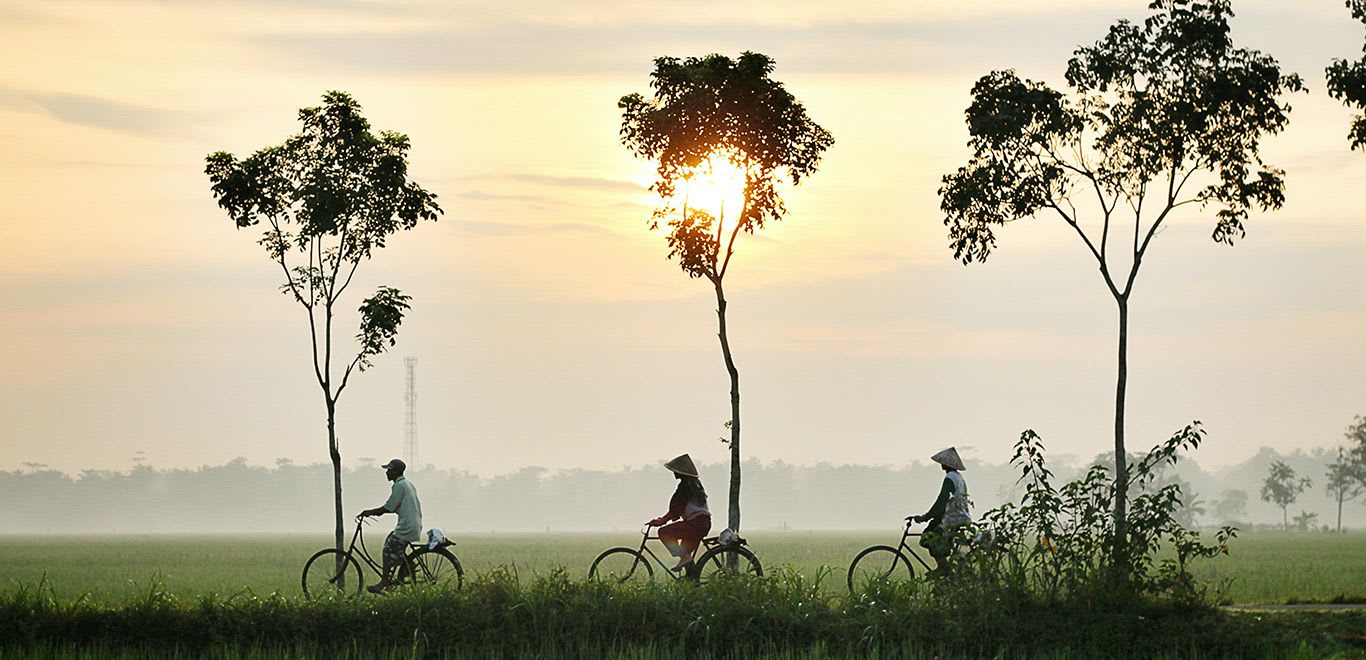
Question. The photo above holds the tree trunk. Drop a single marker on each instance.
(1285, 518)
(1339, 513)
(734, 516)
(1121, 458)
(335, 451)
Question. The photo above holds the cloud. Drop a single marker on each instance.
(596, 49)
(486, 229)
(481, 196)
(98, 112)
(581, 182)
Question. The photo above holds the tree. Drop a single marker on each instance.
(1160, 116)
(1347, 82)
(1232, 506)
(1344, 482)
(328, 197)
(1346, 477)
(1282, 487)
(1305, 521)
(708, 112)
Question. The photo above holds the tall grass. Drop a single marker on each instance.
(499, 613)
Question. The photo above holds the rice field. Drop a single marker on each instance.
(1263, 567)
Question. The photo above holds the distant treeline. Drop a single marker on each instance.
(237, 497)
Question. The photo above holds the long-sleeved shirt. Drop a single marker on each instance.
(682, 507)
(946, 491)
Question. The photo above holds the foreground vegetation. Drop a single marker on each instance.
(1261, 567)
(499, 613)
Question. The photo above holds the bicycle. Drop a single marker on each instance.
(880, 562)
(330, 571)
(623, 564)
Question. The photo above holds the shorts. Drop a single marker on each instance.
(393, 550)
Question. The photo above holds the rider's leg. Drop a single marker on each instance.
(941, 564)
(671, 537)
(393, 556)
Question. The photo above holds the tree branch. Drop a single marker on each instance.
(1172, 190)
(1100, 259)
(354, 265)
(347, 375)
(730, 248)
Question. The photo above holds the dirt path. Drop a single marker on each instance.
(1299, 607)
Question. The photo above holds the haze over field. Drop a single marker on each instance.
(549, 328)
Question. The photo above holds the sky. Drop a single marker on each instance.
(548, 326)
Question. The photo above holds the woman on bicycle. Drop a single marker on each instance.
(689, 507)
(949, 511)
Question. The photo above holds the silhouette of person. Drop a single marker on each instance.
(403, 501)
(949, 512)
(689, 507)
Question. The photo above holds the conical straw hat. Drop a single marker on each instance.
(682, 465)
(949, 459)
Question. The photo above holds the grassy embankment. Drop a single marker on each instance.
(215, 596)
(497, 613)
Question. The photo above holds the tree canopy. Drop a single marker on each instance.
(715, 107)
(1347, 82)
(329, 196)
(1151, 106)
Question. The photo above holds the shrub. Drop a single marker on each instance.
(1059, 544)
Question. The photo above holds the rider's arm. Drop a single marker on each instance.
(676, 507)
(389, 506)
(937, 511)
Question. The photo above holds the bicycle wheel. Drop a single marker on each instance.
(325, 576)
(726, 561)
(621, 565)
(436, 567)
(879, 563)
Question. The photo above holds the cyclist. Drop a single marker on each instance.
(949, 512)
(403, 501)
(689, 507)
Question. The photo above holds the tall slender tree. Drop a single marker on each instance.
(327, 198)
(707, 112)
(1282, 487)
(1344, 481)
(1160, 116)
(1347, 82)
(1346, 476)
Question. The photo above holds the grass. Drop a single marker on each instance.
(1265, 567)
(785, 615)
(1282, 567)
(238, 597)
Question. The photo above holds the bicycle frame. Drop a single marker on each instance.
(645, 538)
(907, 549)
(364, 554)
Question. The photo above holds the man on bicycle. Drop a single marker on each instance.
(949, 512)
(403, 501)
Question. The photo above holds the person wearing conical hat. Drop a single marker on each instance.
(688, 506)
(949, 512)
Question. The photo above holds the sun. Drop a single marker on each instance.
(717, 187)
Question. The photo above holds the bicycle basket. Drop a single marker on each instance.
(729, 537)
(436, 539)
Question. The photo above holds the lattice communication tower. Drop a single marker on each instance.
(410, 413)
